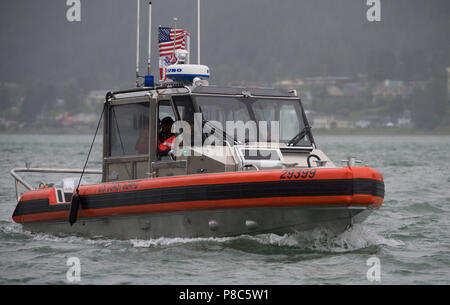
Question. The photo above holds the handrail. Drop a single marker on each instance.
(18, 179)
(146, 89)
(235, 155)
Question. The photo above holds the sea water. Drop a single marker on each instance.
(409, 235)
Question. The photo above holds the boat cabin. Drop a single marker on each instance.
(216, 130)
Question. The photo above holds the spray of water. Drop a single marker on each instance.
(315, 240)
(320, 239)
(324, 240)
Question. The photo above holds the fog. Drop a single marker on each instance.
(243, 41)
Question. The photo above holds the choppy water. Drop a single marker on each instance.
(409, 234)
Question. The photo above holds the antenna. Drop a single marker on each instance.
(149, 37)
(137, 43)
(198, 29)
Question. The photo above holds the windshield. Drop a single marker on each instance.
(251, 112)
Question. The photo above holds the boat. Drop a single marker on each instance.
(213, 180)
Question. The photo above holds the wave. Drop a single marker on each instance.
(317, 240)
(166, 241)
(321, 240)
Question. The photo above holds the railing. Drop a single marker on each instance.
(18, 179)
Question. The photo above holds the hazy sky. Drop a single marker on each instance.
(257, 40)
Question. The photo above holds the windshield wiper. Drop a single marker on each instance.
(299, 136)
(224, 134)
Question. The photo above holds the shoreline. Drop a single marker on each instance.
(380, 132)
(316, 132)
(52, 131)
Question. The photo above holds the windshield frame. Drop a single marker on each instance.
(249, 100)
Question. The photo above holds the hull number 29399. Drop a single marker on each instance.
(298, 174)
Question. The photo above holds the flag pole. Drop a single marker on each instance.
(175, 35)
(198, 29)
(161, 65)
(188, 47)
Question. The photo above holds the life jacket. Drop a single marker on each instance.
(167, 144)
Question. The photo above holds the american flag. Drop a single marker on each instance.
(167, 38)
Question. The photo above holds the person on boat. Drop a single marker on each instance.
(166, 137)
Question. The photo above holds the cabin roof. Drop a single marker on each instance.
(239, 90)
(267, 92)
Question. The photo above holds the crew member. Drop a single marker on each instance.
(166, 137)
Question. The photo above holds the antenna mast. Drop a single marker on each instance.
(149, 37)
(198, 29)
(137, 44)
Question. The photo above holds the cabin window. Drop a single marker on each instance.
(185, 108)
(289, 123)
(165, 110)
(128, 129)
(287, 112)
(223, 109)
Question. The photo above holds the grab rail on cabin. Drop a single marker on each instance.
(18, 179)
